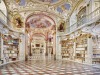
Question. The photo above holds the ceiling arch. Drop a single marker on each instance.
(38, 35)
(47, 6)
(39, 20)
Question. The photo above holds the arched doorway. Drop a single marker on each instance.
(38, 46)
(40, 29)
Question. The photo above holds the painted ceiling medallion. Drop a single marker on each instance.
(39, 21)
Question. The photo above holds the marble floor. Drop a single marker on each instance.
(48, 67)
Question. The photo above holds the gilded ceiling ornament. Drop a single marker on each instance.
(17, 1)
(63, 7)
(61, 27)
(89, 35)
(39, 20)
(17, 20)
(2, 36)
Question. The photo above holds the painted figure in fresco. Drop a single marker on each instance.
(61, 27)
(18, 22)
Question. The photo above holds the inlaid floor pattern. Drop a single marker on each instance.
(48, 67)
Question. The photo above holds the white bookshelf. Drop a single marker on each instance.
(81, 50)
(96, 56)
(67, 49)
(11, 50)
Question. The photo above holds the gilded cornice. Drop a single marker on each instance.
(34, 5)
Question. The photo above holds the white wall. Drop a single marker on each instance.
(58, 48)
(73, 18)
(3, 7)
(22, 48)
(95, 4)
(4, 10)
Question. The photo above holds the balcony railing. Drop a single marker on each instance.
(92, 17)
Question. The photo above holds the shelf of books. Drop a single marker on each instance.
(81, 49)
(80, 53)
(67, 49)
(96, 51)
(37, 48)
(10, 48)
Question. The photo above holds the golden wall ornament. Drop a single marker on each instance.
(89, 35)
(17, 1)
(17, 20)
(2, 35)
(61, 27)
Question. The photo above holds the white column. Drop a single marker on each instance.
(89, 51)
(44, 52)
(22, 48)
(74, 50)
(2, 53)
(54, 44)
(58, 48)
(49, 53)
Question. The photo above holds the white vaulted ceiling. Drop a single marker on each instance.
(38, 16)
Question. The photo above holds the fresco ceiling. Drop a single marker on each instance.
(39, 21)
(58, 10)
(60, 7)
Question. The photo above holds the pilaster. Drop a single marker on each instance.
(58, 48)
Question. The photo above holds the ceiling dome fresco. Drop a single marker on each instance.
(39, 21)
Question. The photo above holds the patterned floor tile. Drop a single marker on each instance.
(48, 67)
